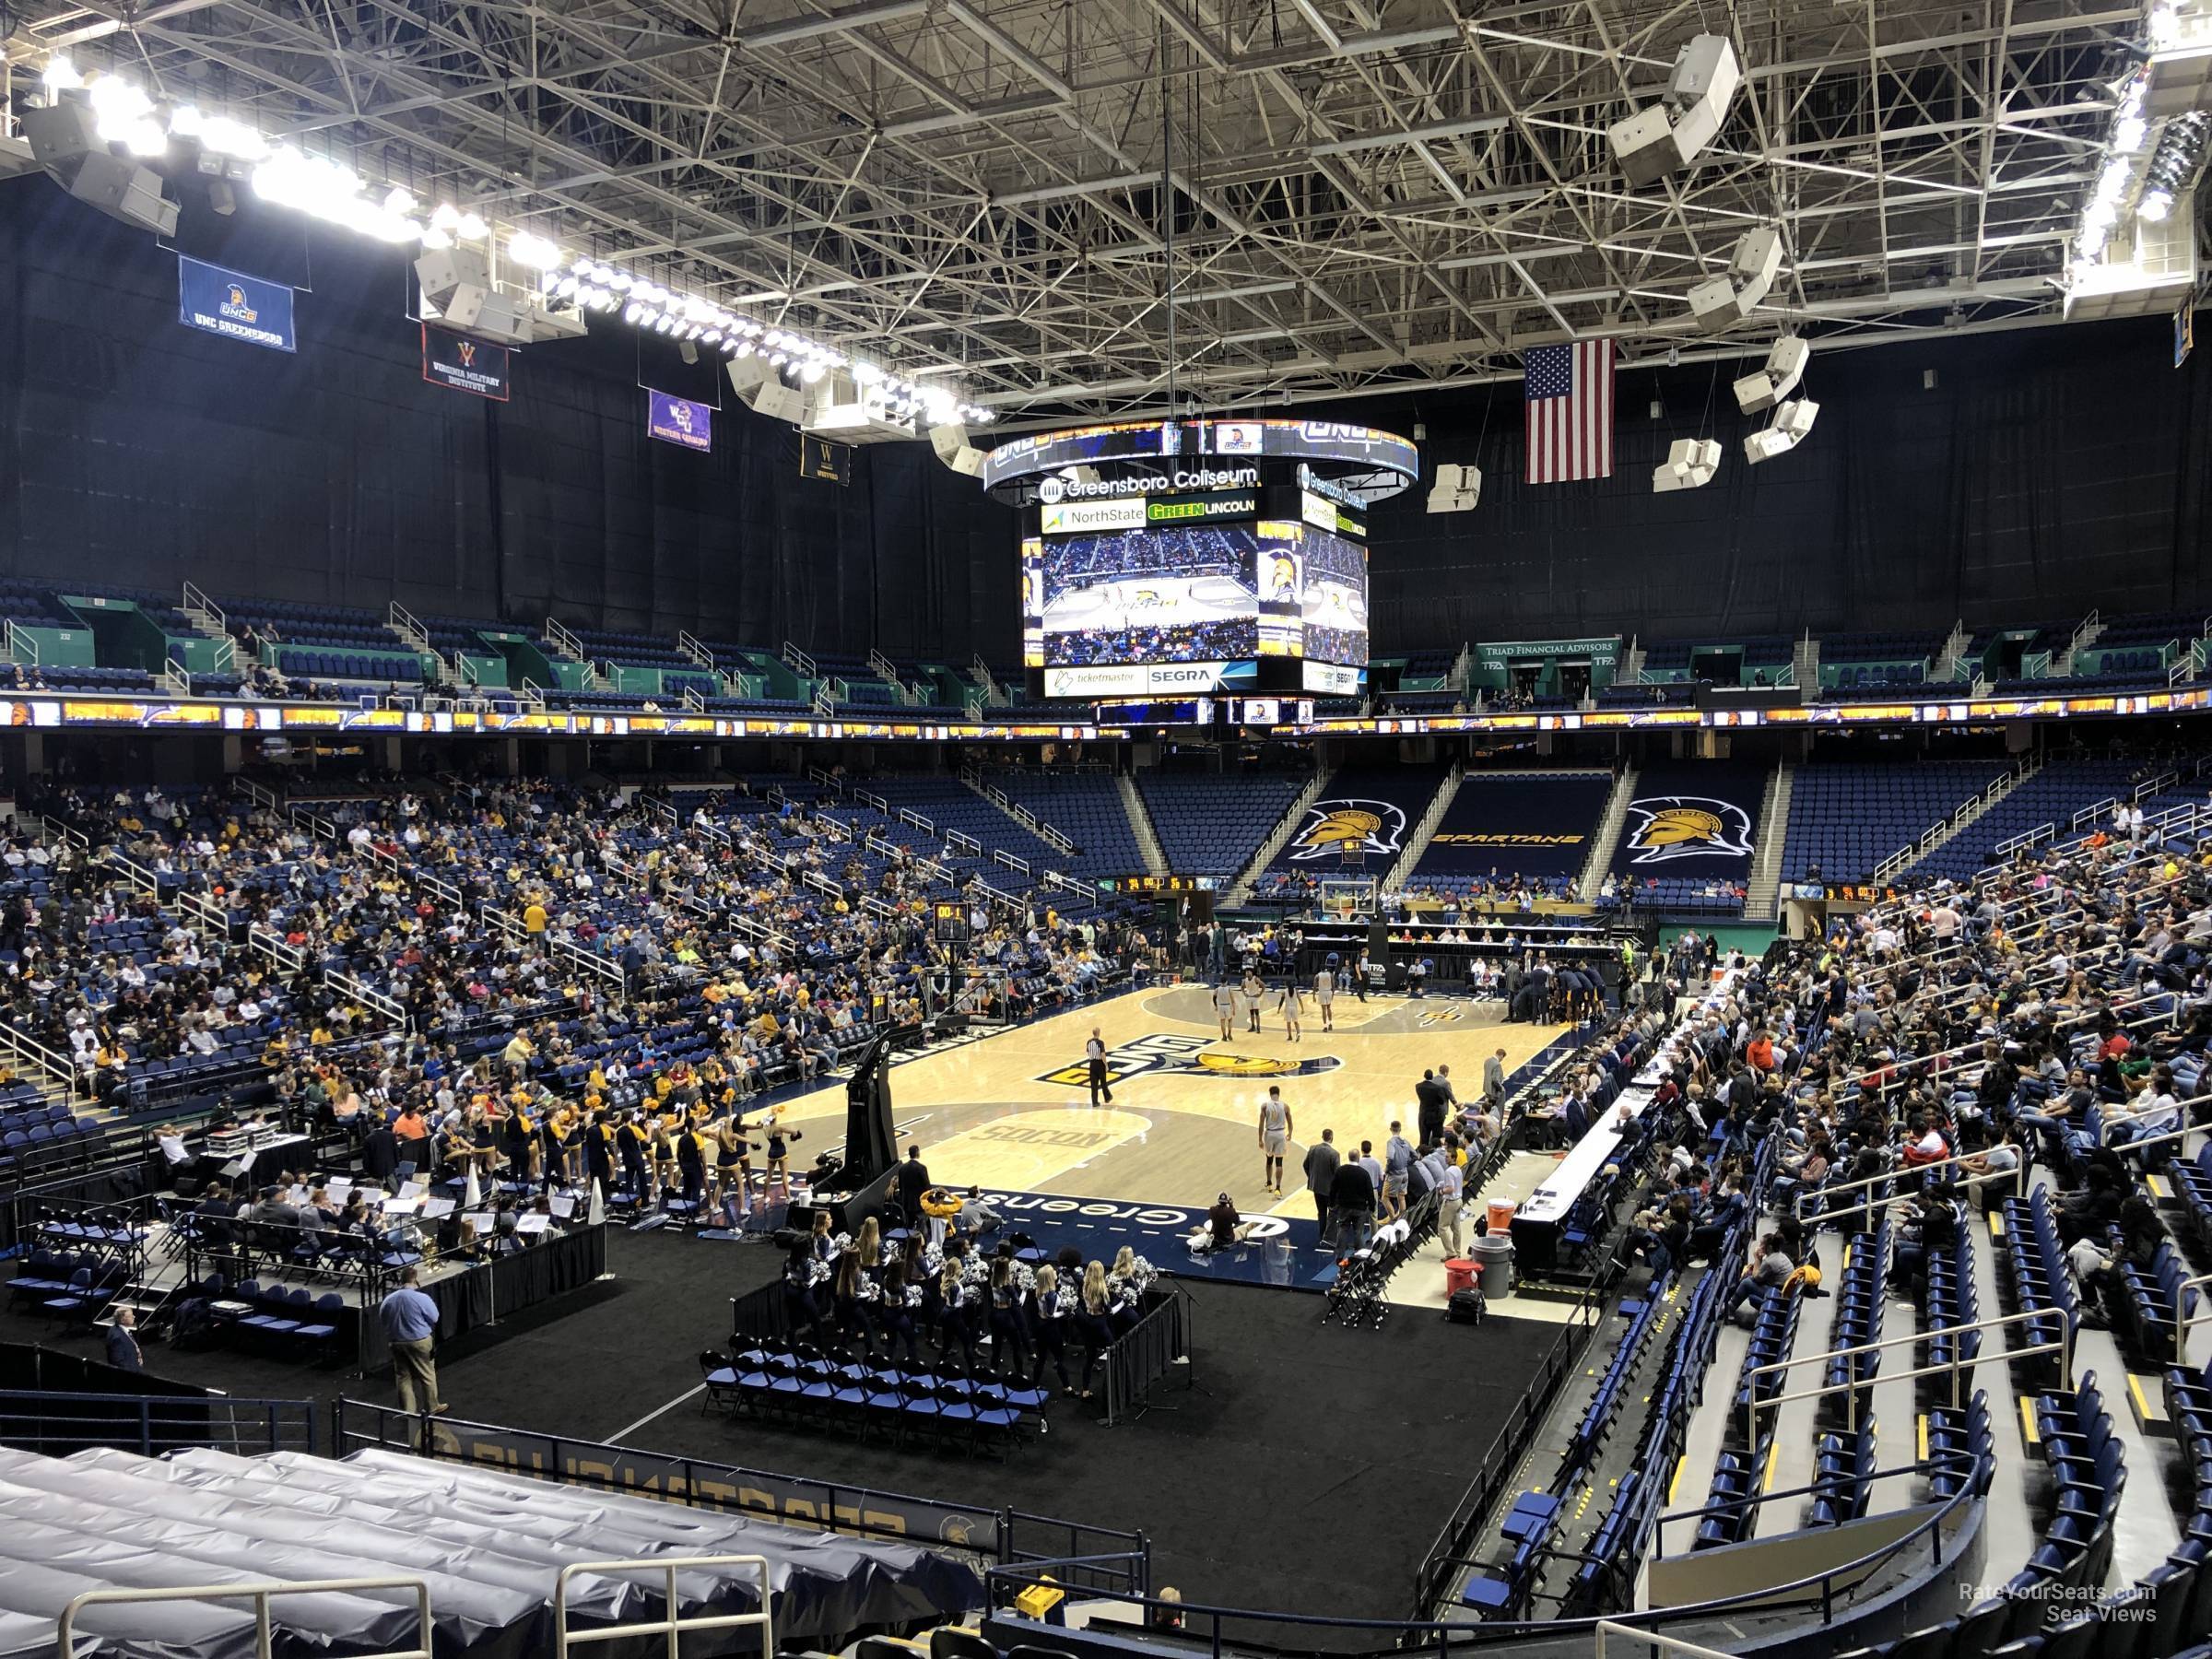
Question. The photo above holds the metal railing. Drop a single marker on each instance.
(797, 661)
(1853, 1384)
(568, 951)
(673, 1623)
(260, 1593)
(204, 610)
(287, 956)
(56, 1424)
(1827, 1193)
(375, 1001)
(1672, 1645)
(697, 653)
(55, 1064)
(562, 640)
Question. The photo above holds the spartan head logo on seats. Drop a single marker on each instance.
(1355, 827)
(1667, 828)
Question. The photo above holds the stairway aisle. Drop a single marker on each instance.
(1607, 839)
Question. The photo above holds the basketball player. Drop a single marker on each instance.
(1225, 1008)
(1274, 1137)
(1095, 1052)
(1292, 1002)
(1325, 992)
(1253, 994)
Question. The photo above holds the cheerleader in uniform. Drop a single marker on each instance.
(691, 1159)
(846, 1305)
(630, 1143)
(1009, 1338)
(801, 1272)
(599, 1155)
(1049, 1310)
(732, 1172)
(1126, 1291)
(901, 1302)
(1093, 1326)
(518, 1140)
(957, 1316)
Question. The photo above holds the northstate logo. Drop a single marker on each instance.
(1673, 827)
(1165, 1054)
(1333, 828)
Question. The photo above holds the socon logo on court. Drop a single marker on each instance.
(1670, 827)
(1333, 828)
(1170, 1054)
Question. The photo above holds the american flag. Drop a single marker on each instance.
(1570, 401)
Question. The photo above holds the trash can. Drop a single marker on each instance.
(1501, 1217)
(1493, 1255)
(1459, 1273)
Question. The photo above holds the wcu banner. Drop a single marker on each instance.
(679, 420)
(234, 305)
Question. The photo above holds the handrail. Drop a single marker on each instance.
(2064, 1347)
(2106, 1126)
(376, 1002)
(673, 1623)
(568, 950)
(1012, 861)
(260, 1593)
(2018, 1177)
(1672, 1645)
(287, 956)
(2184, 1319)
(53, 1061)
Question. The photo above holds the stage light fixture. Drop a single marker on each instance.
(1768, 385)
(1667, 137)
(1458, 489)
(1690, 463)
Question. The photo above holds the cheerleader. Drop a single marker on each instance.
(901, 1301)
(1050, 1308)
(820, 1241)
(554, 1135)
(691, 1157)
(1125, 1283)
(518, 1140)
(1093, 1326)
(801, 1272)
(957, 1313)
(599, 1155)
(732, 1172)
(1010, 1341)
(846, 1305)
(874, 1253)
(630, 1145)
(662, 1145)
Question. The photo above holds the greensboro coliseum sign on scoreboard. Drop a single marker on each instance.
(1197, 556)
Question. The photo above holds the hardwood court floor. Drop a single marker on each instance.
(1011, 1111)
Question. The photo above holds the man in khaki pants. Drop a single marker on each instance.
(410, 1322)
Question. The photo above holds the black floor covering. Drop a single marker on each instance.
(1308, 1469)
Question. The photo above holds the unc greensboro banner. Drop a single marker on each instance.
(234, 305)
(679, 420)
(461, 364)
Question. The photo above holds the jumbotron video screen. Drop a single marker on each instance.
(1125, 612)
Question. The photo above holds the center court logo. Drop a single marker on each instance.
(1332, 828)
(1667, 828)
(1170, 1054)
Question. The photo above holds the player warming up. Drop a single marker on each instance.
(1094, 1054)
(1324, 993)
(1255, 993)
(1274, 1137)
(1225, 1008)
(1292, 1002)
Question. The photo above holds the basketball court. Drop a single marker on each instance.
(1011, 1111)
